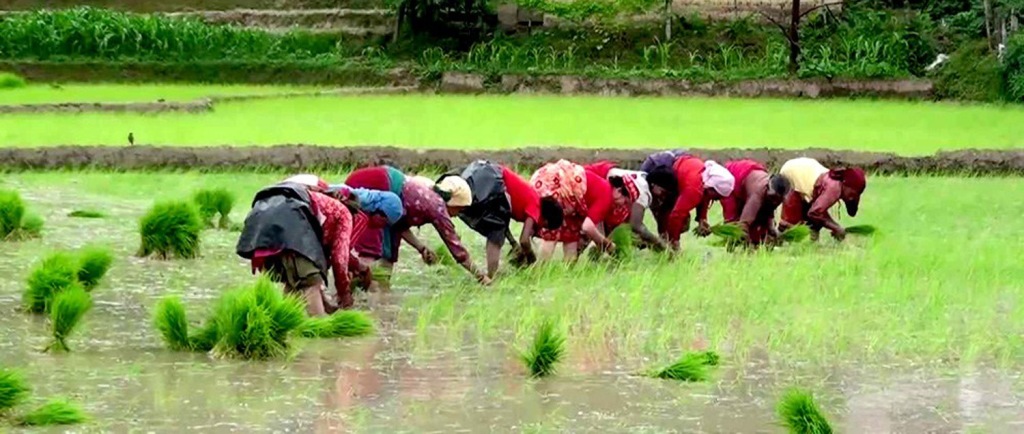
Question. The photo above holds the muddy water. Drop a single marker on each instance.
(128, 382)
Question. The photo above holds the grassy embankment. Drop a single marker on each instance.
(514, 121)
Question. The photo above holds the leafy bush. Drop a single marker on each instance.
(56, 412)
(13, 390)
(547, 350)
(11, 81)
(212, 202)
(972, 73)
(53, 275)
(171, 229)
(93, 263)
(1013, 68)
(69, 306)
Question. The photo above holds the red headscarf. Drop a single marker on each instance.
(855, 179)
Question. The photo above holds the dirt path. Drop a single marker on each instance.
(309, 158)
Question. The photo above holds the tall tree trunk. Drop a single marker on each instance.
(398, 21)
(668, 20)
(988, 22)
(794, 38)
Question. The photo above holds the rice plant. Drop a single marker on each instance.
(31, 227)
(728, 231)
(444, 256)
(256, 322)
(171, 321)
(53, 275)
(93, 263)
(798, 412)
(341, 324)
(547, 350)
(10, 80)
(86, 214)
(12, 211)
(622, 237)
(55, 412)
(13, 390)
(69, 306)
(795, 234)
(690, 367)
(171, 229)
(206, 338)
(861, 230)
(213, 202)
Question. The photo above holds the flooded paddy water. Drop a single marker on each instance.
(406, 378)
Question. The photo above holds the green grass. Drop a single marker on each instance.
(93, 261)
(799, 414)
(547, 350)
(171, 229)
(55, 412)
(69, 307)
(13, 390)
(497, 122)
(54, 274)
(45, 93)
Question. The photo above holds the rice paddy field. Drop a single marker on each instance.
(916, 329)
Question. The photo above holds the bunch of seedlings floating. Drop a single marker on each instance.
(692, 367)
(14, 392)
(171, 229)
(60, 286)
(799, 414)
(212, 203)
(547, 350)
(86, 214)
(253, 322)
(15, 222)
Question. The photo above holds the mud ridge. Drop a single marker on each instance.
(309, 157)
(195, 106)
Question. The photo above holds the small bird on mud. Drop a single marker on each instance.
(131, 139)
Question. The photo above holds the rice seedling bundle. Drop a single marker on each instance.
(56, 412)
(12, 211)
(341, 324)
(622, 237)
(53, 275)
(861, 230)
(13, 390)
(691, 367)
(171, 321)
(96, 33)
(213, 202)
(69, 306)
(444, 256)
(728, 231)
(547, 350)
(93, 264)
(795, 234)
(256, 322)
(31, 227)
(521, 258)
(799, 414)
(171, 229)
(10, 80)
(86, 214)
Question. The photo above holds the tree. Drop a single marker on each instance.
(791, 30)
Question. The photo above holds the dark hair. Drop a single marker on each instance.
(664, 179)
(619, 184)
(551, 212)
(780, 185)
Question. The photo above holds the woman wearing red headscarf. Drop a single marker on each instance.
(586, 200)
(815, 190)
(631, 198)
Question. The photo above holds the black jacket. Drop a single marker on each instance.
(282, 217)
(491, 213)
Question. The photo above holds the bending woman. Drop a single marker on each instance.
(586, 201)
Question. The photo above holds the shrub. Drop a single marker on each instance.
(1013, 69)
(12, 211)
(972, 73)
(800, 415)
(13, 390)
(547, 350)
(93, 263)
(212, 202)
(69, 306)
(56, 412)
(10, 80)
(54, 274)
(171, 229)
(342, 324)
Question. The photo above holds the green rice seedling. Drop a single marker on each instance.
(12, 211)
(861, 230)
(69, 306)
(798, 412)
(171, 321)
(728, 231)
(341, 324)
(54, 274)
(256, 322)
(206, 338)
(795, 234)
(86, 214)
(55, 412)
(622, 237)
(93, 263)
(213, 202)
(444, 257)
(31, 227)
(171, 229)
(547, 350)
(691, 367)
(9, 80)
(13, 389)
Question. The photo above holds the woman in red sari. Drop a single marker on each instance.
(753, 202)
(691, 184)
(586, 200)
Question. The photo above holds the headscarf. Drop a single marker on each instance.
(566, 182)
(855, 179)
(383, 202)
(312, 181)
(456, 189)
(718, 178)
